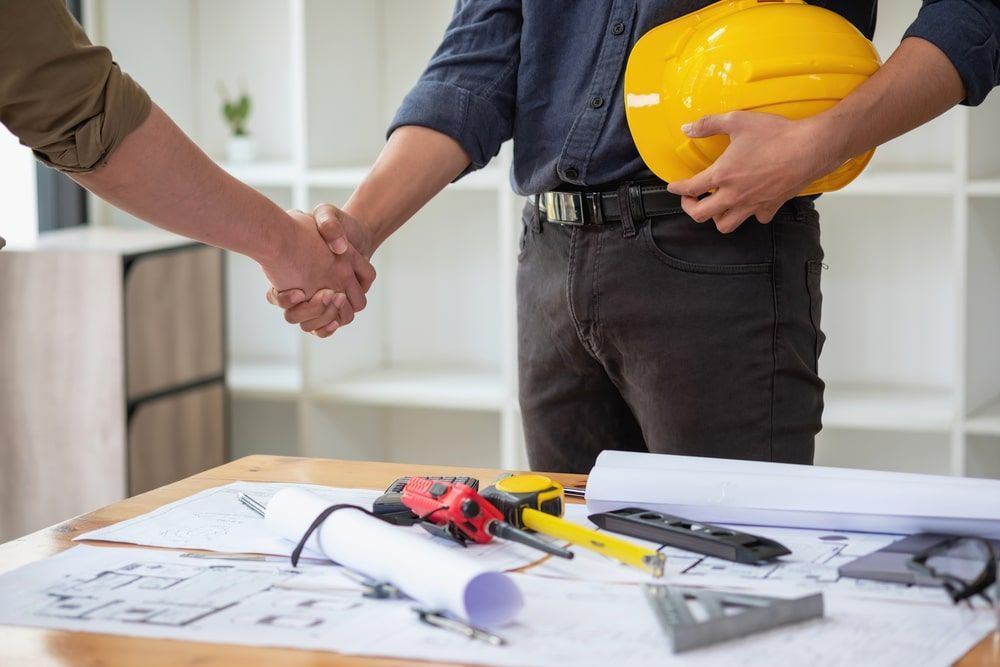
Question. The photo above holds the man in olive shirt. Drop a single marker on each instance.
(69, 102)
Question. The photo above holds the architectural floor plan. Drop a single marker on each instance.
(159, 594)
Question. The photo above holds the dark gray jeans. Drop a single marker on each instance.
(664, 335)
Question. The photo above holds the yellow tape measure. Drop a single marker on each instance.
(536, 502)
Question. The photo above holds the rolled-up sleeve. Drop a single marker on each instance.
(468, 89)
(59, 94)
(966, 31)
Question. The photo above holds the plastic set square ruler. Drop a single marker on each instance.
(695, 617)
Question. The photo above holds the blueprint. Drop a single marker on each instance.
(215, 520)
(812, 565)
(157, 594)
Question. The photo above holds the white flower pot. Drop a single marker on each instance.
(240, 150)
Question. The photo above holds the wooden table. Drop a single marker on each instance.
(36, 647)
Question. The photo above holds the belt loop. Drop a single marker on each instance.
(536, 220)
(798, 206)
(635, 204)
(625, 210)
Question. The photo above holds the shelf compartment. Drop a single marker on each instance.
(252, 53)
(263, 427)
(265, 379)
(264, 174)
(982, 321)
(889, 306)
(985, 420)
(911, 182)
(430, 306)
(982, 455)
(882, 450)
(403, 435)
(982, 139)
(437, 388)
(899, 409)
(255, 329)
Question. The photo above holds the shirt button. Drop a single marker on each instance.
(618, 28)
(572, 173)
(597, 102)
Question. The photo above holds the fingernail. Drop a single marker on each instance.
(332, 327)
(323, 217)
(340, 300)
(339, 245)
(686, 128)
(298, 297)
(327, 299)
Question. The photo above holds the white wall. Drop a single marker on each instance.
(18, 201)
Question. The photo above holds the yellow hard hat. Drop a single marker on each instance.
(777, 56)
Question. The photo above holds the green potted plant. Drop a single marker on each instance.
(240, 146)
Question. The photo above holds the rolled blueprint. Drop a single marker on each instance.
(794, 496)
(430, 573)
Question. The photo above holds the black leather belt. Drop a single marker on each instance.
(567, 207)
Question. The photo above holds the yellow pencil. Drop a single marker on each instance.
(620, 550)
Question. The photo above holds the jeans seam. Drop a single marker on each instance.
(596, 296)
(775, 286)
(814, 296)
(570, 274)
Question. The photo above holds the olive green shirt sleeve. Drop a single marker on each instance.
(60, 95)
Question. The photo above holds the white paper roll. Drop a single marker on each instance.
(434, 575)
(794, 496)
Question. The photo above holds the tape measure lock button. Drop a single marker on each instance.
(526, 484)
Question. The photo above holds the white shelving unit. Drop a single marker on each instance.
(427, 372)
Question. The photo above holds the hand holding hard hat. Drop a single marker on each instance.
(783, 59)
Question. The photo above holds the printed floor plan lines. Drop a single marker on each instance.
(167, 595)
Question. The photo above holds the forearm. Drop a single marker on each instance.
(415, 164)
(158, 174)
(916, 84)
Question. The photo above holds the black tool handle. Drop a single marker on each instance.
(505, 531)
(702, 538)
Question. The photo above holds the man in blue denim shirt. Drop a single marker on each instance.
(642, 329)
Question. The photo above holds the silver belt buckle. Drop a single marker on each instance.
(572, 208)
(564, 208)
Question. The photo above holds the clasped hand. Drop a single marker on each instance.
(769, 160)
(322, 280)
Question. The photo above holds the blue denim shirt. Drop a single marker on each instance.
(548, 73)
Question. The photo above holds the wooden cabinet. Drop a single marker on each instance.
(112, 370)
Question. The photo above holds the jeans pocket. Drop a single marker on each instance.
(705, 249)
(814, 272)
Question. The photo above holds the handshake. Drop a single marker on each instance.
(322, 272)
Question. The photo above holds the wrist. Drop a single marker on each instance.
(372, 233)
(282, 242)
(829, 137)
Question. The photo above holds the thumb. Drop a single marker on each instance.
(330, 228)
(708, 126)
